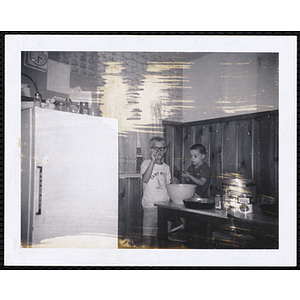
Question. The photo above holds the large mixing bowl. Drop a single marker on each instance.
(178, 192)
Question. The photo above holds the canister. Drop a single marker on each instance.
(245, 208)
(245, 199)
(60, 106)
(226, 202)
(218, 201)
(236, 188)
(84, 108)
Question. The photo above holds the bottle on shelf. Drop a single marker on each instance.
(68, 105)
(218, 201)
(84, 108)
(37, 100)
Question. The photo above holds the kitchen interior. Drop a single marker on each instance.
(226, 101)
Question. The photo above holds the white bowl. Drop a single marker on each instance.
(178, 192)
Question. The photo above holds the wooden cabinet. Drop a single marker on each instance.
(130, 208)
(246, 145)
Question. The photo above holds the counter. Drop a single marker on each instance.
(262, 227)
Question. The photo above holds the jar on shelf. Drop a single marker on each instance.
(84, 108)
(61, 106)
(37, 100)
(68, 105)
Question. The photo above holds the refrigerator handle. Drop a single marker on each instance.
(40, 184)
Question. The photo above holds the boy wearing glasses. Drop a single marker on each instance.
(155, 176)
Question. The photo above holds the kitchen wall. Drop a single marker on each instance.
(227, 84)
(246, 146)
(142, 88)
(87, 83)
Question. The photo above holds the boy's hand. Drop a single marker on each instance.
(154, 155)
(185, 174)
(174, 180)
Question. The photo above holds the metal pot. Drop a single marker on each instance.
(239, 188)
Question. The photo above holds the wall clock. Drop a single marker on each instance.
(36, 60)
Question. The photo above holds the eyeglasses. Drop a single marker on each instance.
(158, 148)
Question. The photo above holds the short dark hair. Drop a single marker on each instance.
(199, 147)
(157, 139)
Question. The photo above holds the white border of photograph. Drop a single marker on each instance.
(284, 256)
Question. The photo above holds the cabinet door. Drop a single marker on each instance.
(76, 175)
(216, 158)
(188, 140)
(266, 155)
(245, 148)
(130, 209)
(230, 147)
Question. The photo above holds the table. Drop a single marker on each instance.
(168, 210)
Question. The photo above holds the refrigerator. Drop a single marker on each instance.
(69, 176)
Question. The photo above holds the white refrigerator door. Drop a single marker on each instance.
(76, 175)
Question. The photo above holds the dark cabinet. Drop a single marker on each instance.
(130, 208)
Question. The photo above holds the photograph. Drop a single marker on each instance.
(150, 150)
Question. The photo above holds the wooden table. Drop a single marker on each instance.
(168, 210)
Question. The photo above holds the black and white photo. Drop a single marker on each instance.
(151, 150)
